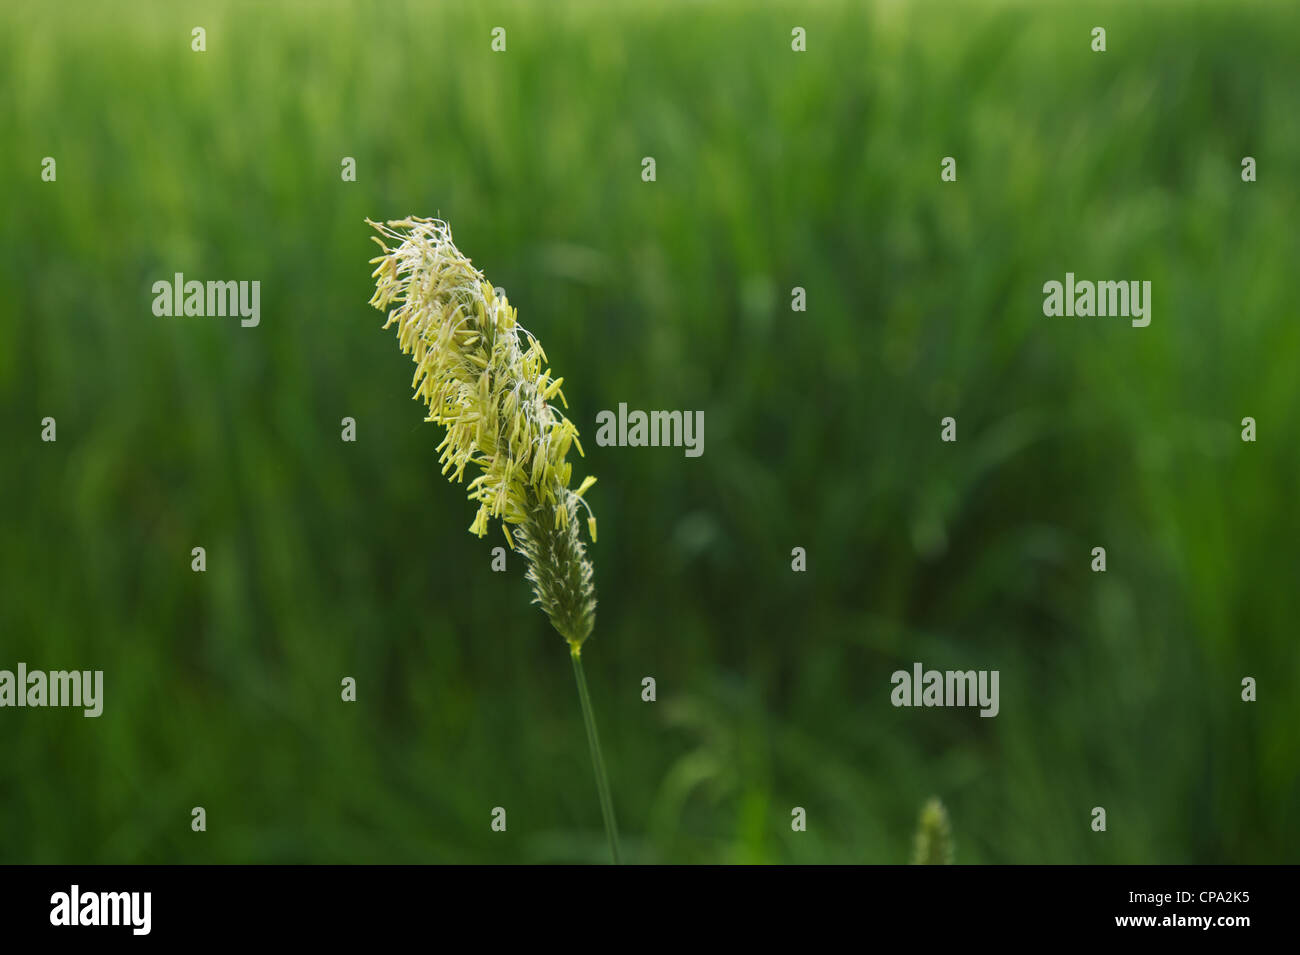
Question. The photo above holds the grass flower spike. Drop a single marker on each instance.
(484, 377)
(933, 844)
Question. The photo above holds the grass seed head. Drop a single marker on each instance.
(933, 836)
(485, 378)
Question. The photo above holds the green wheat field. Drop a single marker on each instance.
(775, 169)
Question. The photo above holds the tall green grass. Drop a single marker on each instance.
(775, 170)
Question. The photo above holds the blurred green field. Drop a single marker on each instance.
(774, 170)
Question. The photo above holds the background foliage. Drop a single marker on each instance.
(775, 169)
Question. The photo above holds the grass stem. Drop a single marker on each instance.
(597, 761)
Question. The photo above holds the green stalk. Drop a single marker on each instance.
(597, 761)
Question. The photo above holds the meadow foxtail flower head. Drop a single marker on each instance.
(484, 377)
